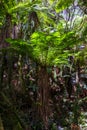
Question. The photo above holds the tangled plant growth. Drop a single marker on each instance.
(43, 59)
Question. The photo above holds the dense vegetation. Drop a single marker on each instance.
(43, 58)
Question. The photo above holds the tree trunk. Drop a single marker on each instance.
(1, 124)
(5, 33)
(43, 96)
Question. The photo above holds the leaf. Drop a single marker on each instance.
(61, 5)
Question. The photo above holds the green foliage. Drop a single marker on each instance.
(19, 45)
(52, 48)
(51, 42)
(61, 5)
(47, 48)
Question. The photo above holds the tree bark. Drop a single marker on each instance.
(5, 33)
(43, 95)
